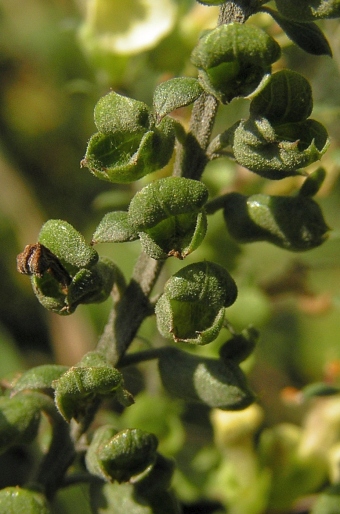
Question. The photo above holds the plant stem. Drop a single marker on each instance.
(133, 307)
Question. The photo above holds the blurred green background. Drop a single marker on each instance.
(54, 66)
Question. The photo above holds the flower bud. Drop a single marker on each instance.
(19, 419)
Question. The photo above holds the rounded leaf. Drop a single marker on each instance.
(40, 377)
(307, 35)
(117, 113)
(286, 97)
(101, 436)
(313, 182)
(175, 93)
(293, 223)
(76, 388)
(114, 228)
(192, 306)
(240, 346)
(233, 59)
(211, 2)
(19, 419)
(306, 10)
(67, 244)
(22, 501)
(328, 501)
(200, 379)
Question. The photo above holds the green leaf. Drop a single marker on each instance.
(192, 306)
(115, 113)
(19, 419)
(67, 244)
(308, 10)
(168, 216)
(175, 93)
(313, 183)
(328, 501)
(122, 157)
(211, 2)
(22, 501)
(40, 377)
(293, 223)
(285, 98)
(114, 228)
(307, 36)
(278, 152)
(123, 499)
(320, 389)
(233, 59)
(200, 379)
(240, 346)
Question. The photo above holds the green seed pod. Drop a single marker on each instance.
(40, 377)
(278, 152)
(22, 501)
(214, 382)
(192, 306)
(67, 244)
(305, 10)
(233, 59)
(117, 113)
(91, 286)
(101, 436)
(81, 385)
(168, 215)
(293, 223)
(86, 286)
(286, 97)
(122, 157)
(120, 455)
(19, 419)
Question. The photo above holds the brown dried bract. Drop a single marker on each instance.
(36, 260)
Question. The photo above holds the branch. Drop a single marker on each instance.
(191, 159)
